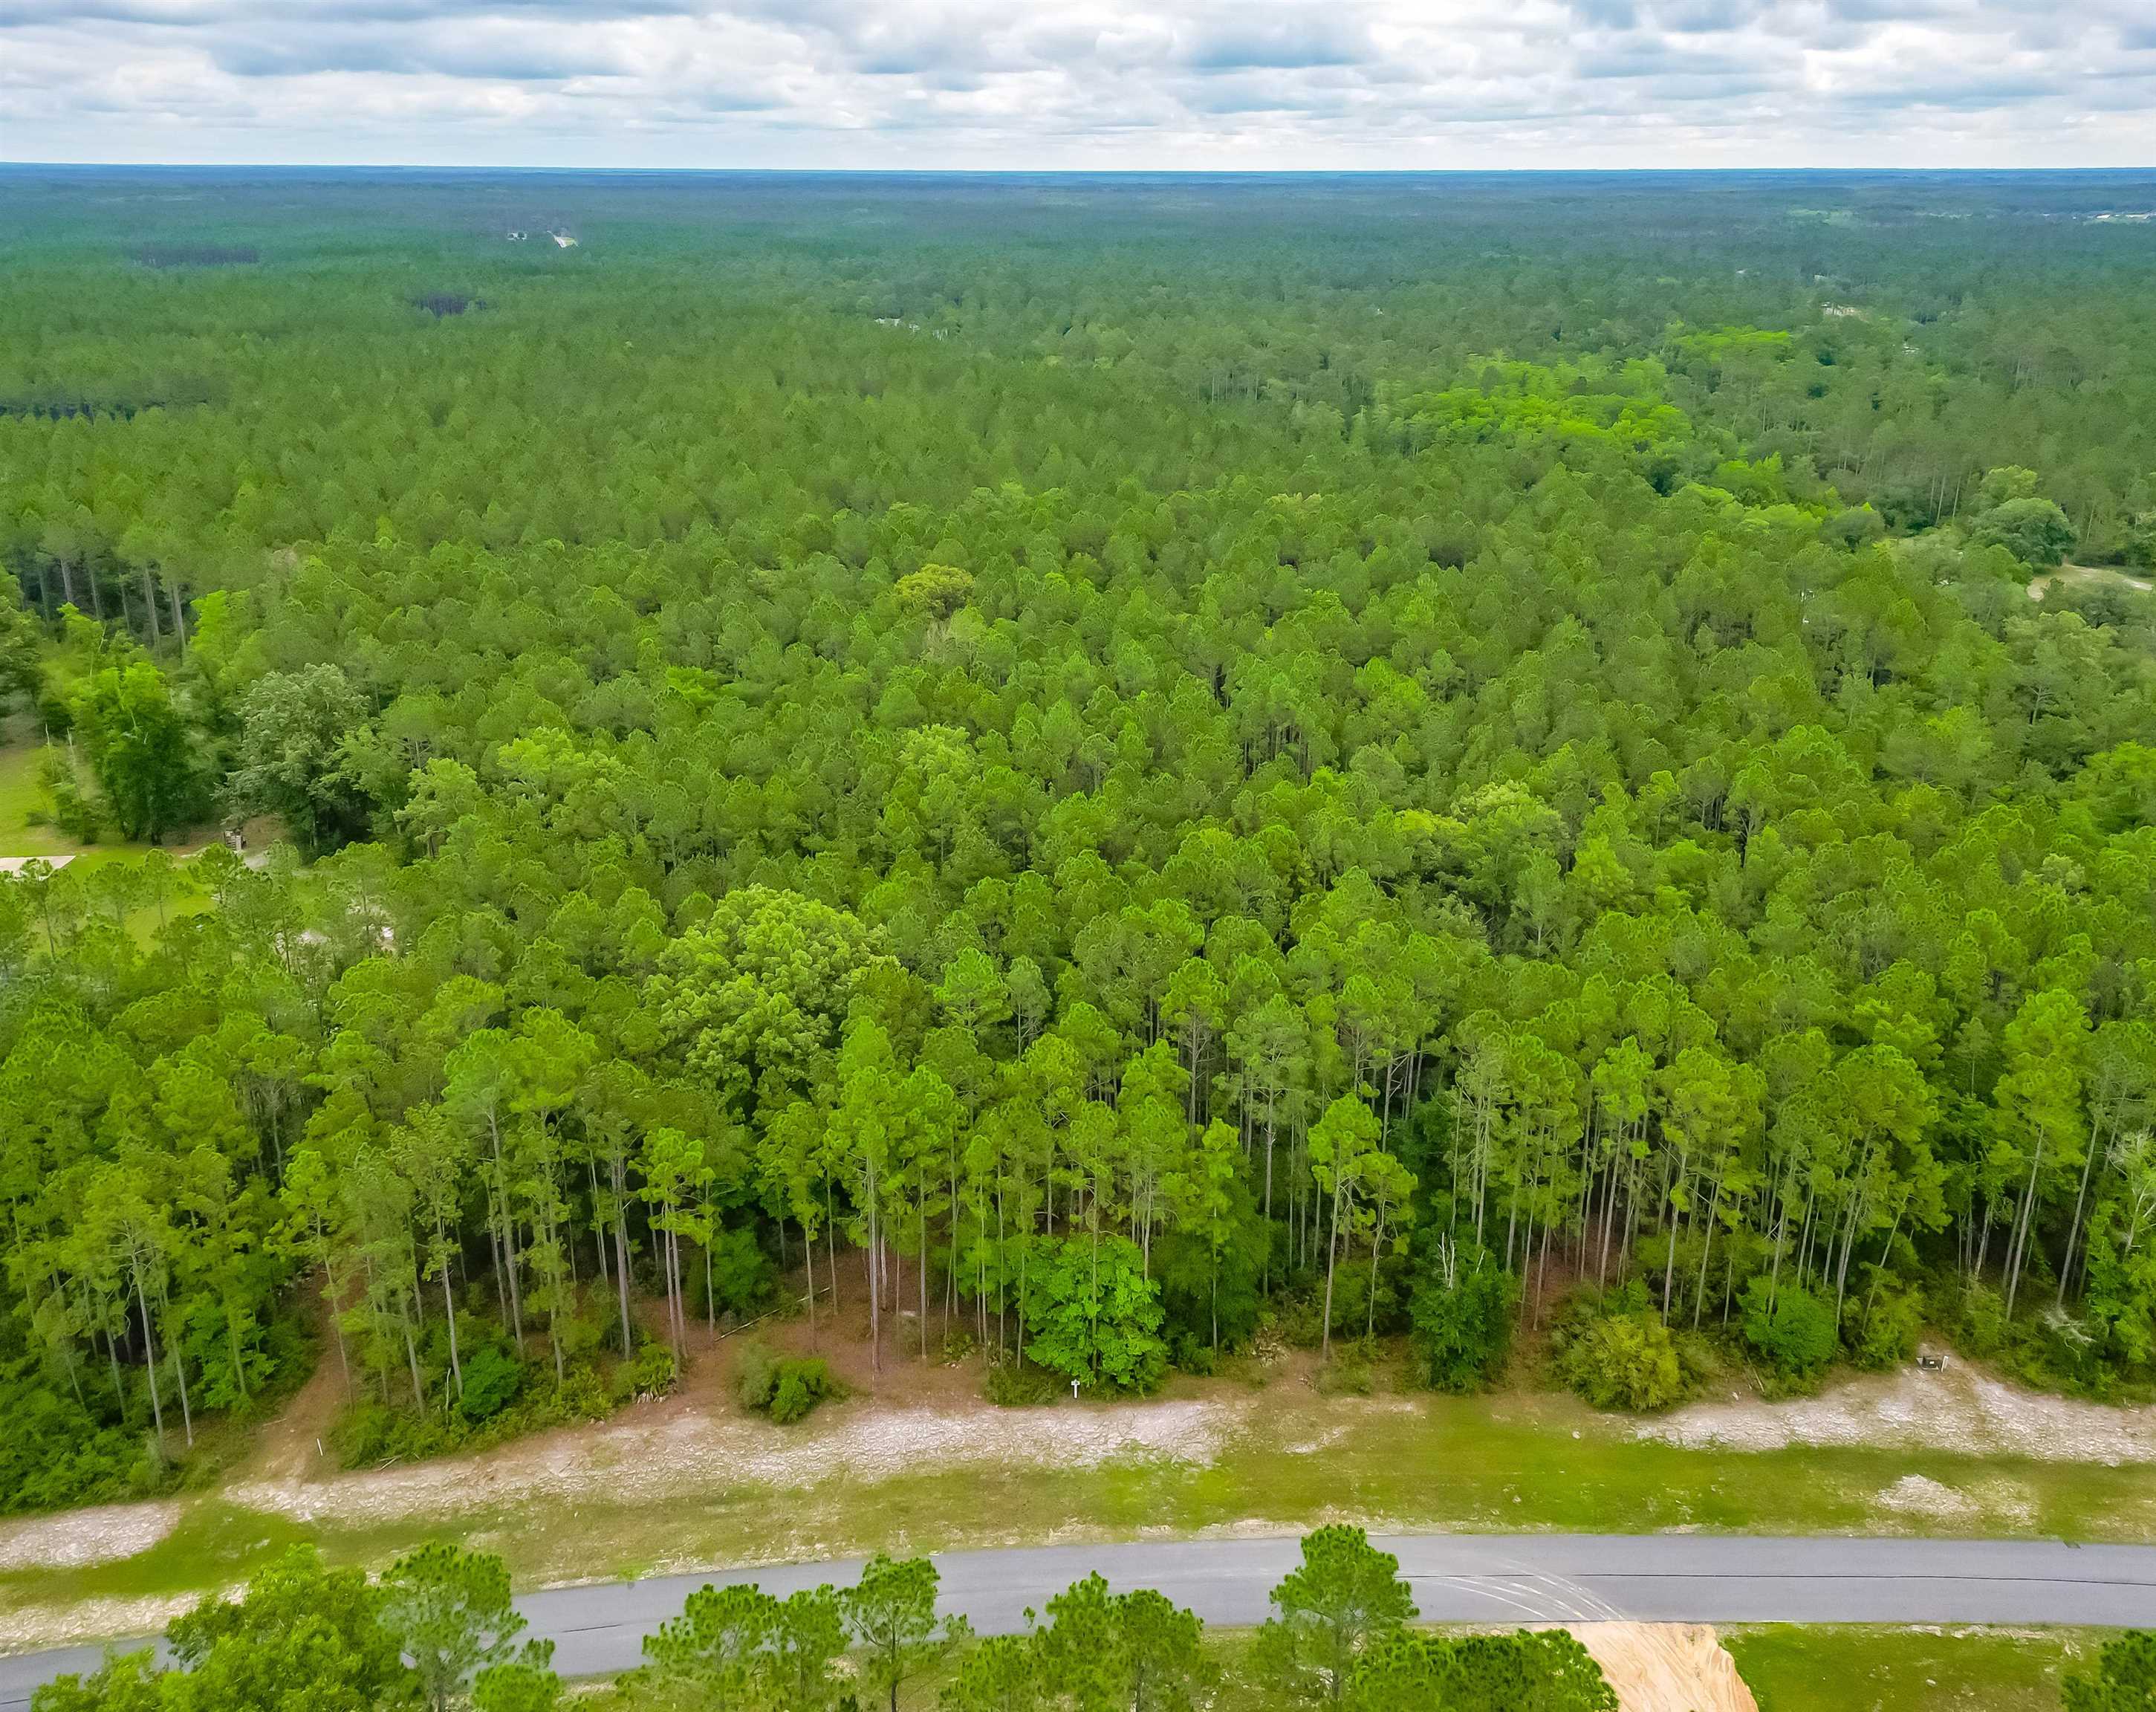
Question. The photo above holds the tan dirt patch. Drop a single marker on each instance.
(1667, 1666)
(2088, 577)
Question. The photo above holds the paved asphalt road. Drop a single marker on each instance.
(1456, 1578)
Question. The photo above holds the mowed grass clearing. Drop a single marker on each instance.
(22, 800)
(1834, 1668)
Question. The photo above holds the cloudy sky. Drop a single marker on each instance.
(1199, 83)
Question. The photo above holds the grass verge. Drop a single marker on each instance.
(1833, 1668)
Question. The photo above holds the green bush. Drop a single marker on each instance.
(649, 1373)
(70, 807)
(2034, 530)
(1300, 1320)
(802, 1385)
(582, 1396)
(493, 1377)
(1792, 1328)
(1349, 1374)
(784, 1387)
(1463, 1315)
(589, 1329)
(2122, 1678)
(1699, 1361)
(1548, 1671)
(54, 1453)
(1625, 1360)
(2066, 1347)
(1881, 1330)
(1210, 1299)
(1092, 1314)
(1979, 1320)
(756, 1375)
(744, 1283)
(1012, 1382)
(372, 1432)
(1351, 1315)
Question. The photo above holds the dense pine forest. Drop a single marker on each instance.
(1116, 766)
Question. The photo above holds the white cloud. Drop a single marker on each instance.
(1090, 82)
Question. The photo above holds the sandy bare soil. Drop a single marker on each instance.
(1917, 1495)
(1961, 1410)
(1667, 1666)
(655, 1448)
(2087, 576)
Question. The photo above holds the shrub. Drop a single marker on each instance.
(1092, 1314)
(1624, 1360)
(756, 1375)
(1979, 1319)
(744, 1283)
(1299, 1321)
(582, 1396)
(493, 1377)
(1700, 1362)
(1882, 1331)
(1544, 1672)
(1792, 1328)
(1854, 528)
(649, 1373)
(72, 809)
(373, 1432)
(1462, 1313)
(1211, 1300)
(368, 1433)
(2034, 530)
(54, 1453)
(2122, 1680)
(2067, 1345)
(784, 1387)
(1351, 1315)
(1012, 1382)
(959, 1346)
(802, 1385)
(1349, 1374)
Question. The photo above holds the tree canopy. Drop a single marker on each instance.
(1095, 772)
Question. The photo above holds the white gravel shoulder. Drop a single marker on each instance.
(37, 1626)
(77, 1538)
(1958, 1411)
(655, 1450)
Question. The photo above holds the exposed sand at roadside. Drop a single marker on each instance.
(1667, 1666)
(1961, 1412)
